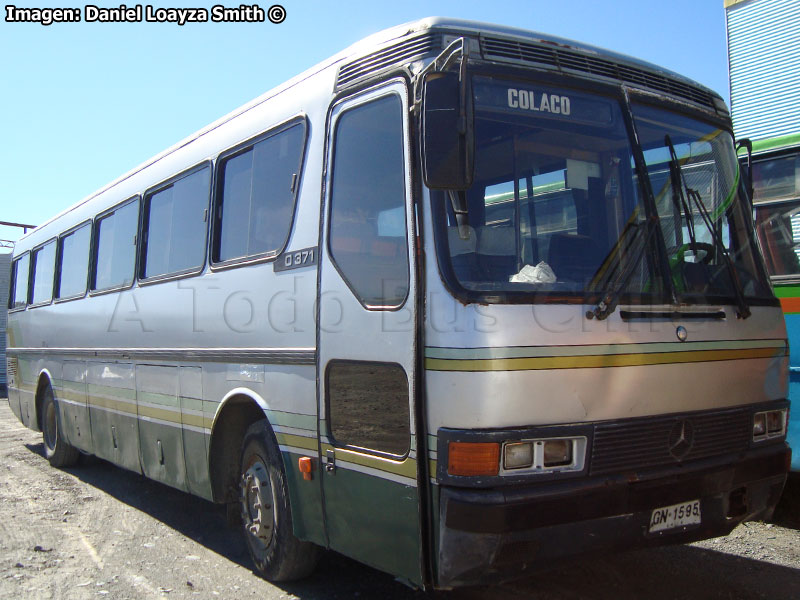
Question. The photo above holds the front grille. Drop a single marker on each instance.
(637, 444)
(396, 54)
(570, 60)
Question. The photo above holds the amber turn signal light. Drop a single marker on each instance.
(470, 459)
(305, 464)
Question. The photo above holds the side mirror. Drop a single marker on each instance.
(447, 132)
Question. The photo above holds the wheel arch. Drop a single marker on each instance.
(44, 380)
(238, 410)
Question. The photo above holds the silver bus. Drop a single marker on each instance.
(458, 302)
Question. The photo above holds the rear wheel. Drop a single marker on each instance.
(266, 515)
(56, 449)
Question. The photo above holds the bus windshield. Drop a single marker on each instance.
(692, 168)
(556, 199)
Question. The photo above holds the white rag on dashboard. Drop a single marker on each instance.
(541, 273)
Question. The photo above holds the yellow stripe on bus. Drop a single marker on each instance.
(404, 468)
(297, 441)
(598, 360)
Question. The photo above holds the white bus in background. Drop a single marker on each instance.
(409, 307)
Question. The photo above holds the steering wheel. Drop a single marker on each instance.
(695, 247)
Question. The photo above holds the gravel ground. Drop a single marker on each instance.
(97, 531)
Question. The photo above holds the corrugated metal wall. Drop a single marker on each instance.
(764, 65)
(5, 276)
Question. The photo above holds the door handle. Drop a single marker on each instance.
(330, 461)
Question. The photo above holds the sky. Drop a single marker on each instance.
(83, 103)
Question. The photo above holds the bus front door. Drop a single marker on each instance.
(367, 323)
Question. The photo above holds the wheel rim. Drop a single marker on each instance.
(50, 431)
(258, 507)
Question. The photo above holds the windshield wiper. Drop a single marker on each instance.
(639, 235)
(694, 196)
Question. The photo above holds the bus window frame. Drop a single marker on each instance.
(764, 156)
(616, 92)
(372, 92)
(95, 247)
(613, 92)
(771, 156)
(141, 249)
(13, 287)
(218, 181)
(32, 275)
(59, 257)
(775, 279)
(337, 443)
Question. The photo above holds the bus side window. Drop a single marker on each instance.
(44, 262)
(368, 220)
(175, 222)
(360, 417)
(20, 271)
(116, 247)
(776, 178)
(778, 229)
(73, 260)
(256, 196)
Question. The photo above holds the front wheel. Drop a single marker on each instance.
(266, 515)
(56, 449)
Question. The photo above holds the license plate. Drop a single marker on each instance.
(677, 515)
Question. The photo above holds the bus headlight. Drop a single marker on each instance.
(759, 425)
(769, 424)
(543, 455)
(557, 453)
(775, 422)
(518, 455)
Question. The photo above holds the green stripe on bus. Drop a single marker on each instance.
(787, 291)
(157, 398)
(775, 143)
(296, 441)
(293, 420)
(405, 468)
(128, 394)
(74, 386)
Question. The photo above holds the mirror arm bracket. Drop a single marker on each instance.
(747, 145)
(456, 49)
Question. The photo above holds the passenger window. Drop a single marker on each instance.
(257, 195)
(73, 262)
(778, 229)
(363, 418)
(174, 223)
(44, 262)
(116, 247)
(20, 272)
(368, 219)
(776, 178)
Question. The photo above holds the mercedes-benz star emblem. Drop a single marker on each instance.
(681, 439)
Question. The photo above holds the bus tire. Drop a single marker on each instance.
(266, 514)
(56, 449)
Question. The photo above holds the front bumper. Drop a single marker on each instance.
(487, 536)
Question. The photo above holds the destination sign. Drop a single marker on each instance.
(551, 103)
(542, 102)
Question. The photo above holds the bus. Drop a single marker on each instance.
(775, 171)
(459, 302)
